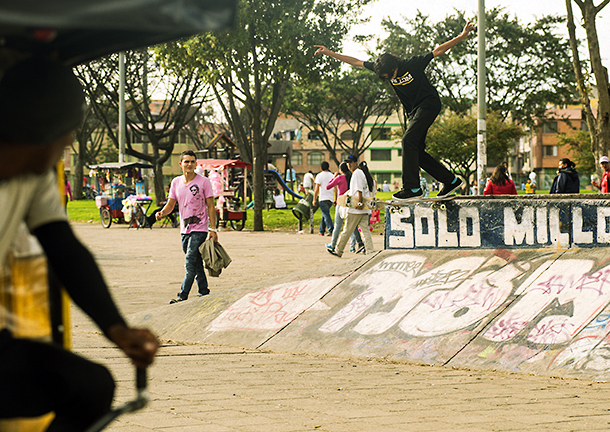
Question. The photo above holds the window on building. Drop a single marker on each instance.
(315, 135)
(549, 151)
(549, 127)
(348, 135)
(400, 153)
(296, 158)
(381, 154)
(383, 177)
(380, 134)
(315, 158)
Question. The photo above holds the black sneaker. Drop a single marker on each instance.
(406, 195)
(449, 188)
(176, 300)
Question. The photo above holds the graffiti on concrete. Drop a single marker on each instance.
(500, 224)
(274, 307)
(553, 304)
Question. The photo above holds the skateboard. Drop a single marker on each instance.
(369, 203)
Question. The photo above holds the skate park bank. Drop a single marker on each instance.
(517, 285)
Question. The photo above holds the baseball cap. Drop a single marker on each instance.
(350, 158)
(604, 159)
(40, 101)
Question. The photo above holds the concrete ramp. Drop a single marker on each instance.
(542, 311)
(520, 285)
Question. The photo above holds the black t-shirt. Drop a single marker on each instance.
(411, 83)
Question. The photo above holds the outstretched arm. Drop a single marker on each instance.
(322, 50)
(443, 48)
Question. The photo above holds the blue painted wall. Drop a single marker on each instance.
(511, 222)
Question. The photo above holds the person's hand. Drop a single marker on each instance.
(214, 236)
(140, 345)
(158, 216)
(322, 50)
(467, 29)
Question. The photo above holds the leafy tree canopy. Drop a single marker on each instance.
(452, 140)
(342, 103)
(528, 65)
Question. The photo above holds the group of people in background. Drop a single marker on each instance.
(567, 180)
(348, 224)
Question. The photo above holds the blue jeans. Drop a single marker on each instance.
(326, 221)
(193, 264)
(354, 238)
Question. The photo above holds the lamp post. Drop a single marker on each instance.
(481, 90)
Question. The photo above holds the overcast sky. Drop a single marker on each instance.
(526, 10)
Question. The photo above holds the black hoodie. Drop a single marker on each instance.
(566, 182)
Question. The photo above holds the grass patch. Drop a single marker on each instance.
(83, 211)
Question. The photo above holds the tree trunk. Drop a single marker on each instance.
(77, 187)
(600, 133)
(258, 179)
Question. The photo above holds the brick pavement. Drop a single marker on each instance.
(217, 388)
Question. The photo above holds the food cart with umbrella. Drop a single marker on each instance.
(230, 208)
(117, 201)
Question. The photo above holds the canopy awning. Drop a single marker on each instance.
(78, 31)
(120, 166)
(210, 164)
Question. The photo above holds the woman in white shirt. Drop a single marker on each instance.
(361, 185)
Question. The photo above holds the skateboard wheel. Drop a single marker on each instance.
(443, 206)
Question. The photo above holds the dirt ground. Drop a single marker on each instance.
(214, 388)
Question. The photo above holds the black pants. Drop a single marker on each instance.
(37, 378)
(414, 153)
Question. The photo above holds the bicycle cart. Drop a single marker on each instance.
(118, 202)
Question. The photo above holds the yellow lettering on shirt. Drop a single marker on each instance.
(407, 78)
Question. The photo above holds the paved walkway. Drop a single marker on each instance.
(213, 388)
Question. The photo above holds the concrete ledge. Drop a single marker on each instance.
(503, 221)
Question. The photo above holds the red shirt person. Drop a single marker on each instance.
(499, 183)
(603, 186)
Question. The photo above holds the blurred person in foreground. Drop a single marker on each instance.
(41, 105)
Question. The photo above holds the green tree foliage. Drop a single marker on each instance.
(598, 120)
(158, 124)
(251, 65)
(339, 107)
(579, 147)
(528, 65)
(452, 139)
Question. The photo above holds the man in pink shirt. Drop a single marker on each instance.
(193, 193)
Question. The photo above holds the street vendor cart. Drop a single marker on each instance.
(118, 202)
(229, 207)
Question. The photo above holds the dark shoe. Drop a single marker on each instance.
(176, 300)
(406, 195)
(329, 248)
(449, 188)
(361, 249)
(333, 252)
(206, 292)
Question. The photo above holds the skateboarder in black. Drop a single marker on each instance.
(422, 103)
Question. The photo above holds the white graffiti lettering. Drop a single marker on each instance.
(564, 294)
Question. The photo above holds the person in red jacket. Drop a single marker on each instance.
(603, 186)
(499, 183)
